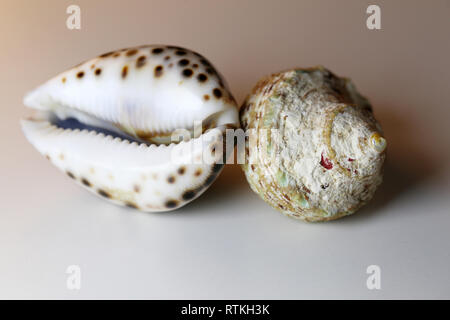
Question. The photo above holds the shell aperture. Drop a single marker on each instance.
(110, 122)
(318, 152)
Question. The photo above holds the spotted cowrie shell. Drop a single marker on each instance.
(109, 123)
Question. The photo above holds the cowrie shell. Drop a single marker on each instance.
(110, 123)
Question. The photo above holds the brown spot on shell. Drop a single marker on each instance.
(107, 54)
(70, 174)
(136, 188)
(187, 72)
(98, 71)
(171, 203)
(206, 97)
(80, 74)
(195, 66)
(115, 55)
(181, 170)
(198, 172)
(157, 50)
(188, 195)
(124, 72)
(92, 66)
(183, 62)
(202, 77)
(217, 93)
(180, 52)
(166, 58)
(86, 182)
(171, 179)
(140, 62)
(175, 48)
(158, 71)
(132, 205)
(103, 193)
(63, 80)
(205, 62)
(131, 52)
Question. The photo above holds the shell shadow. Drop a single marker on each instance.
(229, 185)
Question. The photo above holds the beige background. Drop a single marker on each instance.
(229, 243)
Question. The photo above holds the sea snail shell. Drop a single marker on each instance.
(318, 151)
(108, 124)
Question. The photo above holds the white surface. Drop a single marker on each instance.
(229, 243)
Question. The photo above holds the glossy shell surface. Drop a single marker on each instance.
(110, 122)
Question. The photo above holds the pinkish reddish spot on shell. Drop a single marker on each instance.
(350, 159)
(325, 162)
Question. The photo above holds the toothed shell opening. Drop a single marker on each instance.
(144, 93)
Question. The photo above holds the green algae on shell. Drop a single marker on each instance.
(318, 153)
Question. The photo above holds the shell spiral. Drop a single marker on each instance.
(315, 151)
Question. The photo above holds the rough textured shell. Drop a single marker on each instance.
(317, 152)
